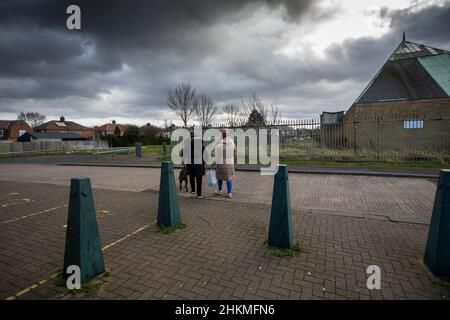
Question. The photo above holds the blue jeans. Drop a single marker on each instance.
(229, 185)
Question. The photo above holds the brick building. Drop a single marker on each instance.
(63, 126)
(109, 128)
(13, 129)
(407, 103)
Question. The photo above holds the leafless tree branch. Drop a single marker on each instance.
(205, 110)
(233, 115)
(253, 103)
(34, 119)
(182, 101)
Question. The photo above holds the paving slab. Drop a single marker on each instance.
(398, 199)
(219, 255)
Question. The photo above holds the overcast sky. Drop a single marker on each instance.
(306, 56)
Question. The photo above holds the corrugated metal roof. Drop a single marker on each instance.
(411, 73)
(331, 117)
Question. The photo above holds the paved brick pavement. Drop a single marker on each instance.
(152, 159)
(219, 255)
(383, 198)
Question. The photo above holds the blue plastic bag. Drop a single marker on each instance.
(212, 178)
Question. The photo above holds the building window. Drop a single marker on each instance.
(1, 133)
(413, 124)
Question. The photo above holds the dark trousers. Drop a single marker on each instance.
(197, 179)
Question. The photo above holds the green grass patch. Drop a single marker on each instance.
(46, 153)
(383, 164)
(89, 288)
(167, 230)
(156, 149)
(293, 251)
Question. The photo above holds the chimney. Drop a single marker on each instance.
(114, 122)
(62, 119)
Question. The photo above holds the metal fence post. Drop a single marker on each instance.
(164, 150)
(378, 138)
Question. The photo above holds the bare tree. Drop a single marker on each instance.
(182, 101)
(275, 112)
(251, 104)
(232, 114)
(205, 110)
(34, 119)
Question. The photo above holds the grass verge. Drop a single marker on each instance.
(89, 288)
(167, 230)
(293, 251)
(383, 164)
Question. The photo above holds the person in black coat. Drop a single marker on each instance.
(196, 169)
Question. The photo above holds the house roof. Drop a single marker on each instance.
(413, 72)
(6, 124)
(331, 117)
(111, 127)
(62, 125)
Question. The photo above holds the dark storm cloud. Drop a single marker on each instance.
(430, 25)
(141, 23)
(139, 49)
(36, 44)
(354, 58)
(127, 26)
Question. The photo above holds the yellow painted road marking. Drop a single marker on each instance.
(9, 204)
(32, 214)
(16, 203)
(22, 292)
(112, 244)
(103, 216)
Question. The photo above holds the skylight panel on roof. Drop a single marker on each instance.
(431, 50)
(414, 47)
(60, 124)
(438, 66)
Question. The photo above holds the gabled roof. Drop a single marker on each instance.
(111, 127)
(6, 124)
(413, 72)
(62, 125)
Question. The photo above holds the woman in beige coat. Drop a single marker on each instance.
(225, 153)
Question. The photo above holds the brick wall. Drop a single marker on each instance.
(14, 130)
(381, 125)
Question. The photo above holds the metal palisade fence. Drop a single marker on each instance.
(396, 138)
(42, 146)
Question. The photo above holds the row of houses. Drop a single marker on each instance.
(62, 130)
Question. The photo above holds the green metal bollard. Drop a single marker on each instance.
(280, 229)
(437, 251)
(168, 207)
(138, 147)
(83, 247)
